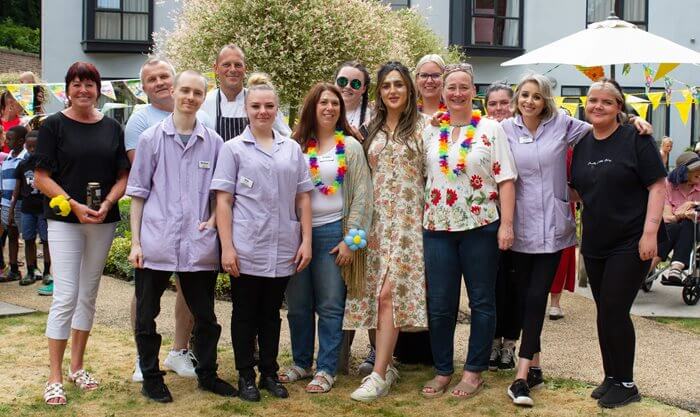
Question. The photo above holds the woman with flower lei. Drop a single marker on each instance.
(394, 291)
(470, 170)
(341, 208)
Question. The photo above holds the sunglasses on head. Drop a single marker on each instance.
(342, 82)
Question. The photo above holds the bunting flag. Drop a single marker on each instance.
(136, 89)
(684, 109)
(687, 95)
(571, 108)
(668, 90)
(629, 98)
(626, 69)
(59, 91)
(559, 100)
(583, 101)
(593, 73)
(664, 69)
(640, 108)
(648, 78)
(24, 94)
(107, 90)
(655, 99)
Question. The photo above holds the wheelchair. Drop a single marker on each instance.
(690, 276)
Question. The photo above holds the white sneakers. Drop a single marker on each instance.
(555, 313)
(178, 361)
(373, 386)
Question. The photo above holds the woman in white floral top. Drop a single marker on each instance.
(469, 170)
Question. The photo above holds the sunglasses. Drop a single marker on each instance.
(342, 82)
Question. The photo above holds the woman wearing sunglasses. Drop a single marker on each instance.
(470, 171)
(429, 72)
(394, 292)
(353, 81)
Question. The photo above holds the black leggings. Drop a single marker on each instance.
(507, 300)
(534, 274)
(615, 281)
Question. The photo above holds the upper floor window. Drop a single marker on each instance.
(118, 25)
(398, 4)
(488, 27)
(633, 11)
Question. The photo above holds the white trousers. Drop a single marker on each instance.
(78, 256)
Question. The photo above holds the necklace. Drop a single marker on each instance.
(464, 147)
(441, 107)
(353, 117)
(312, 152)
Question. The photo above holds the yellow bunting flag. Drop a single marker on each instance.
(137, 90)
(684, 109)
(107, 90)
(583, 101)
(593, 73)
(59, 91)
(687, 95)
(655, 98)
(571, 108)
(663, 70)
(559, 100)
(641, 109)
(24, 94)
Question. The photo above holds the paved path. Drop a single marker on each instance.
(7, 309)
(661, 301)
(667, 365)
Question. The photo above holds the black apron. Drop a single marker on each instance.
(228, 127)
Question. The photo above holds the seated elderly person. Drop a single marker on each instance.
(682, 196)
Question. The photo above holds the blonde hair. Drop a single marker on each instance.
(260, 81)
(434, 58)
(545, 87)
(612, 87)
(461, 67)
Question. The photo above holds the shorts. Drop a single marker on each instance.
(5, 215)
(33, 223)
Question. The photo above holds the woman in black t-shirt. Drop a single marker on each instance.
(619, 176)
(76, 146)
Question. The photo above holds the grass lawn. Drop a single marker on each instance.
(111, 353)
(690, 324)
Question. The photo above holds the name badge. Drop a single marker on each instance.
(327, 158)
(204, 164)
(247, 182)
(525, 139)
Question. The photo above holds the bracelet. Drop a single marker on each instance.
(356, 239)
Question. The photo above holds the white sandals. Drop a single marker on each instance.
(294, 373)
(83, 380)
(53, 391)
(323, 380)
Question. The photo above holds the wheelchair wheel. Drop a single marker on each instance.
(691, 294)
(646, 284)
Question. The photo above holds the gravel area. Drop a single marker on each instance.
(667, 365)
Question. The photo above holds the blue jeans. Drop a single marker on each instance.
(449, 256)
(318, 289)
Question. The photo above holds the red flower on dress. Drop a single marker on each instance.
(435, 196)
(451, 197)
(476, 182)
(493, 196)
(476, 209)
(485, 140)
(496, 168)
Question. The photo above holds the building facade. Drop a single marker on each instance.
(115, 35)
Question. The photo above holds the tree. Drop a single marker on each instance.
(297, 42)
(22, 12)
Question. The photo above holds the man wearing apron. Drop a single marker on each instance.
(226, 104)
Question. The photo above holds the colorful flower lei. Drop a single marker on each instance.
(441, 107)
(311, 151)
(464, 147)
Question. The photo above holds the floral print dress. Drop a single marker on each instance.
(471, 200)
(395, 243)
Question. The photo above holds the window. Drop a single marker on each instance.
(487, 27)
(117, 25)
(398, 4)
(633, 11)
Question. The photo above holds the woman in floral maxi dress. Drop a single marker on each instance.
(394, 296)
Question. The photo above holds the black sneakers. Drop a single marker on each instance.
(247, 390)
(273, 386)
(495, 356)
(619, 395)
(156, 390)
(507, 360)
(219, 387)
(519, 392)
(534, 378)
(603, 388)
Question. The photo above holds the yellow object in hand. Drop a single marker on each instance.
(357, 239)
(60, 205)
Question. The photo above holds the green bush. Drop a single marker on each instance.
(223, 287)
(117, 260)
(124, 226)
(19, 37)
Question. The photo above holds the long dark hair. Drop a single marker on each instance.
(365, 96)
(407, 128)
(306, 128)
